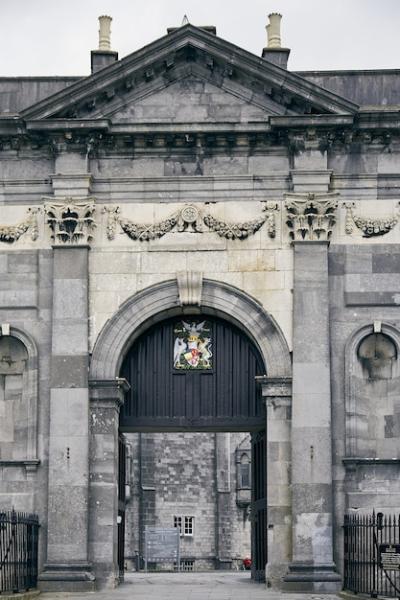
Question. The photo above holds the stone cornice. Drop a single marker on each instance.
(306, 121)
(295, 134)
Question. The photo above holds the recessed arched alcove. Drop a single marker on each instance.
(372, 384)
(18, 399)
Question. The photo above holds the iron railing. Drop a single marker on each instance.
(18, 551)
(371, 554)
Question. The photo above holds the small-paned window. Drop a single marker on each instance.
(185, 524)
(178, 523)
(244, 472)
(189, 526)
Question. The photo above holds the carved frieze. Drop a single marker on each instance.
(112, 220)
(234, 231)
(270, 208)
(311, 217)
(12, 233)
(191, 219)
(143, 232)
(370, 226)
(72, 221)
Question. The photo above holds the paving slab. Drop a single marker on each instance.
(188, 586)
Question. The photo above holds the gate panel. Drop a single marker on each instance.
(216, 393)
(121, 505)
(259, 506)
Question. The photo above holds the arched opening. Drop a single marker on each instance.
(192, 402)
(134, 318)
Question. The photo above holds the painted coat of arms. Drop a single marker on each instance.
(192, 348)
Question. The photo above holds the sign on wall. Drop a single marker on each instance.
(193, 345)
(389, 557)
(161, 545)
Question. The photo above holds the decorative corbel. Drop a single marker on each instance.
(190, 287)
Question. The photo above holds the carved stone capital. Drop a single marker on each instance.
(311, 217)
(108, 393)
(72, 221)
(275, 387)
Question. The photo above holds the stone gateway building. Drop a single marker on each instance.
(196, 240)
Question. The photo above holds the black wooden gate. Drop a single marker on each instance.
(217, 394)
(121, 505)
(259, 506)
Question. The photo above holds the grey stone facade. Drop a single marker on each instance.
(176, 474)
(194, 175)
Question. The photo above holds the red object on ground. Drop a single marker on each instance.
(247, 563)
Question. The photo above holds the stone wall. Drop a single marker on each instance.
(175, 475)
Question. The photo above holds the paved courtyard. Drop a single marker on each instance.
(188, 586)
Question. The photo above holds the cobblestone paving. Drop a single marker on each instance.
(189, 586)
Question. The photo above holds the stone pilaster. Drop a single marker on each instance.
(223, 508)
(67, 566)
(106, 398)
(312, 568)
(277, 394)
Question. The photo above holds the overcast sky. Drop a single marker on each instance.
(54, 37)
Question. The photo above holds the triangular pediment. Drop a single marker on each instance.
(207, 77)
(191, 98)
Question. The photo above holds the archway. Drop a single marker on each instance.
(195, 374)
(220, 303)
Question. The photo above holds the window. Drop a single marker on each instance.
(185, 525)
(178, 523)
(187, 565)
(244, 472)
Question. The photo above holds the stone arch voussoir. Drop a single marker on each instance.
(162, 300)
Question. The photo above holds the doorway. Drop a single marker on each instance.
(196, 373)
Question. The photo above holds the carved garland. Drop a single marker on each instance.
(370, 226)
(190, 219)
(144, 233)
(12, 233)
(233, 231)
